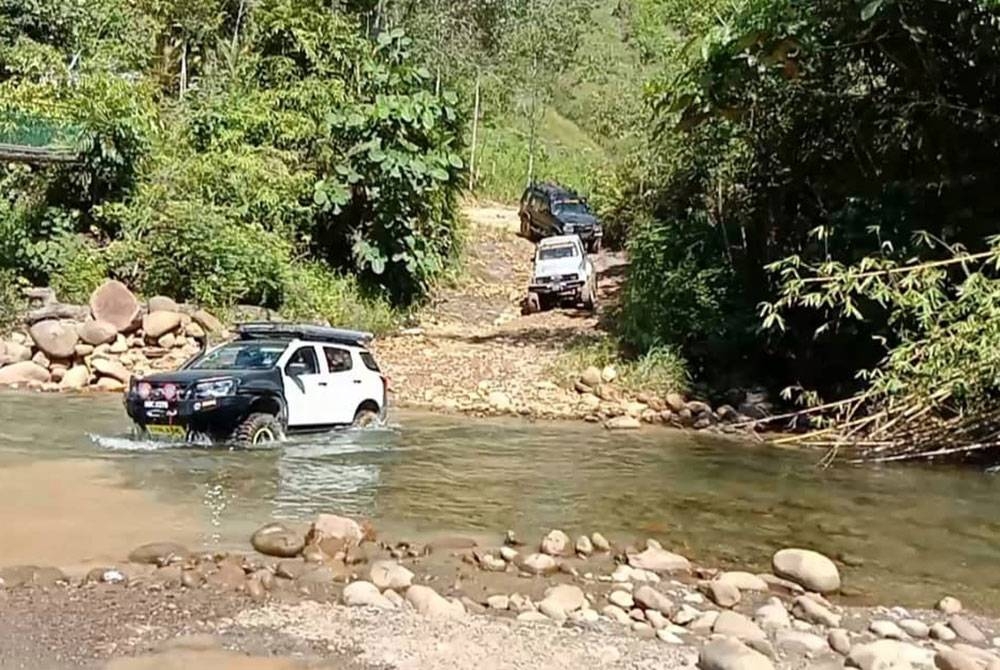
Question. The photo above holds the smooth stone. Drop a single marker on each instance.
(94, 333)
(584, 546)
(157, 324)
(731, 654)
(773, 616)
(539, 564)
(723, 594)
(508, 554)
(734, 624)
(591, 377)
(890, 655)
(533, 617)
(24, 372)
(965, 629)
(659, 560)
(427, 602)
(565, 597)
(775, 582)
(887, 629)
(668, 636)
(811, 569)
(808, 609)
(617, 614)
(277, 539)
(109, 385)
(942, 632)
(704, 623)
(643, 630)
(390, 575)
(76, 378)
(915, 628)
(600, 542)
(650, 599)
(332, 526)
(685, 614)
(162, 303)
(113, 303)
(553, 611)
(656, 619)
(949, 659)
(621, 599)
(744, 581)
(949, 605)
(498, 602)
(840, 641)
(56, 339)
(159, 553)
(556, 543)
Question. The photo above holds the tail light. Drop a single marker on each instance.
(386, 383)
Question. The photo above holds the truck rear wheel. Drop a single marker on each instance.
(258, 428)
(532, 304)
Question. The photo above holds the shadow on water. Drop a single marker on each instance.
(911, 534)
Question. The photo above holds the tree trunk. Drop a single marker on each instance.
(183, 82)
(475, 137)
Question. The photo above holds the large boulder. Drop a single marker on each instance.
(55, 338)
(96, 333)
(731, 654)
(163, 304)
(75, 378)
(109, 367)
(157, 324)
(114, 303)
(25, 372)
(811, 569)
(659, 560)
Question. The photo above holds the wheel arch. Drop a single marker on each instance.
(369, 404)
(272, 404)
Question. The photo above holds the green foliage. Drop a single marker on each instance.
(660, 370)
(313, 292)
(11, 300)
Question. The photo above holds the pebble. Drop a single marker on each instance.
(704, 623)
(498, 602)
(636, 614)
(643, 630)
(744, 581)
(397, 600)
(723, 594)
(621, 599)
(521, 603)
(565, 597)
(965, 629)
(887, 629)
(533, 617)
(810, 569)
(365, 594)
(508, 554)
(584, 546)
(941, 631)
(656, 619)
(949, 659)
(773, 616)
(659, 560)
(539, 564)
(649, 598)
(617, 614)
(886, 654)
(556, 543)
(667, 636)
(390, 575)
(793, 640)
(685, 614)
(428, 602)
(915, 628)
(807, 609)
(600, 542)
(949, 605)
(734, 624)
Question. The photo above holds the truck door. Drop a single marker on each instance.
(344, 388)
(304, 388)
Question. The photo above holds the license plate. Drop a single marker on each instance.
(156, 404)
(167, 431)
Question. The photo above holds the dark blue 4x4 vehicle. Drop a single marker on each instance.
(548, 210)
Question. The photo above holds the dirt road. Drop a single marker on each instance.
(473, 350)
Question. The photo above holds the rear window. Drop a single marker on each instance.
(369, 361)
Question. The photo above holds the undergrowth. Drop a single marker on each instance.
(660, 370)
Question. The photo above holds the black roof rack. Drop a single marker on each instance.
(276, 330)
(553, 189)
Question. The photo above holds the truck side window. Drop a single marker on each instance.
(303, 362)
(338, 360)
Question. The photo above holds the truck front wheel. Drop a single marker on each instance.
(258, 428)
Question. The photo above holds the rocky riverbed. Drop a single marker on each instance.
(337, 594)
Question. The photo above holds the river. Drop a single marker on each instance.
(75, 491)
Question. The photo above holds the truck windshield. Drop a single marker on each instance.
(570, 207)
(562, 251)
(240, 356)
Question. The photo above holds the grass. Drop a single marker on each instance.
(659, 371)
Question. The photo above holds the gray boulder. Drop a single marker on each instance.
(55, 339)
(96, 333)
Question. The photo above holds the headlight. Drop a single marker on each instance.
(214, 389)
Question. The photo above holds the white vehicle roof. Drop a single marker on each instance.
(559, 240)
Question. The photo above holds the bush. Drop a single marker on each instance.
(11, 300)
(660, 370)
(78, 268)
(313, 292)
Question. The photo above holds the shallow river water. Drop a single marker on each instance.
(75, 491)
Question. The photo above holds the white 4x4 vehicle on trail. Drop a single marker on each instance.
(563, 274)
(273, 379)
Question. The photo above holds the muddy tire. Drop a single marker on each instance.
(532, 304)
(258, 428)
(594, 246)
(590, 298)
(365, 418)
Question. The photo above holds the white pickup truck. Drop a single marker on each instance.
(563, 274)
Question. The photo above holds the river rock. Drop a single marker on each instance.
(676, 403)
(163, 304)
(621, 599)
(30, 575)
(25, 372)
(659, 560)
(584, 546)
(119, 346)
(773, 616)
(949, 605)
(799, 641)
(331, 526)
(890, 655)
(949, 659)
(915, 628)
(427, 602)
(657, 620)
(566, 597)
(498, 602)
(810, 610)
(811, 569)
(965, 629)
(75, 378)
(277, 539)
(109, 367)
(942, 632)
(55, 339)
(744, 581)
(591, 377)
(365, 594)
(600, 542)
(624, 422)
(109, 385)
(14, 352)
(207, 321)
(775, 582)
(617, 614)
(840, 641)
(556, 543)
(96, 333)
(533, 617)
(390, 575)
(159, 553)
(609, 374)
(686, 614)
(650, 599)
(500, 401)
(157, 324)
(508, 554)
(539, 564)
(734, 624)
(731, 654)
(887, 629)
(114, 303)
(723, 594)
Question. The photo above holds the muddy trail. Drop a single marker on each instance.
(472, 342)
